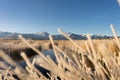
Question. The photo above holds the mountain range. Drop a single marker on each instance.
(45, 36)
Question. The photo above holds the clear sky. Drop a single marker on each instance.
(77, 16)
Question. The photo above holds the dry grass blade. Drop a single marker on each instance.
(31, 66)
(53, 45)
(115, 35)
(61, 62)
(77, 46)
(92, 47)
(28, 44)
(36, 50)
(87, 47)
(18, 70)
(27, 60)
(65, 55)
(81, 70)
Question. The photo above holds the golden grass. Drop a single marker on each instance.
(75, 60)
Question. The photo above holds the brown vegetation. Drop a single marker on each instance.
(75, 60)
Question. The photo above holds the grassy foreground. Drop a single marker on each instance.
(89, 60)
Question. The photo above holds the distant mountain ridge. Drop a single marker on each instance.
(45, 36)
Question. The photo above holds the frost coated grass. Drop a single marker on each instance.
(89, 64)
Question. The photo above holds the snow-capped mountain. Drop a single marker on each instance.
(42, 33)
(4, 34)
(45, 36)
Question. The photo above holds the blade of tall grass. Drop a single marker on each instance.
(18, 70)
(31, 66)
(74, 43)
(115, 35)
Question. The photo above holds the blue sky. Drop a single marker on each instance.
(77, 16)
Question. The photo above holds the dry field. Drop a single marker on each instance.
(75, 60)
(14, 47)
